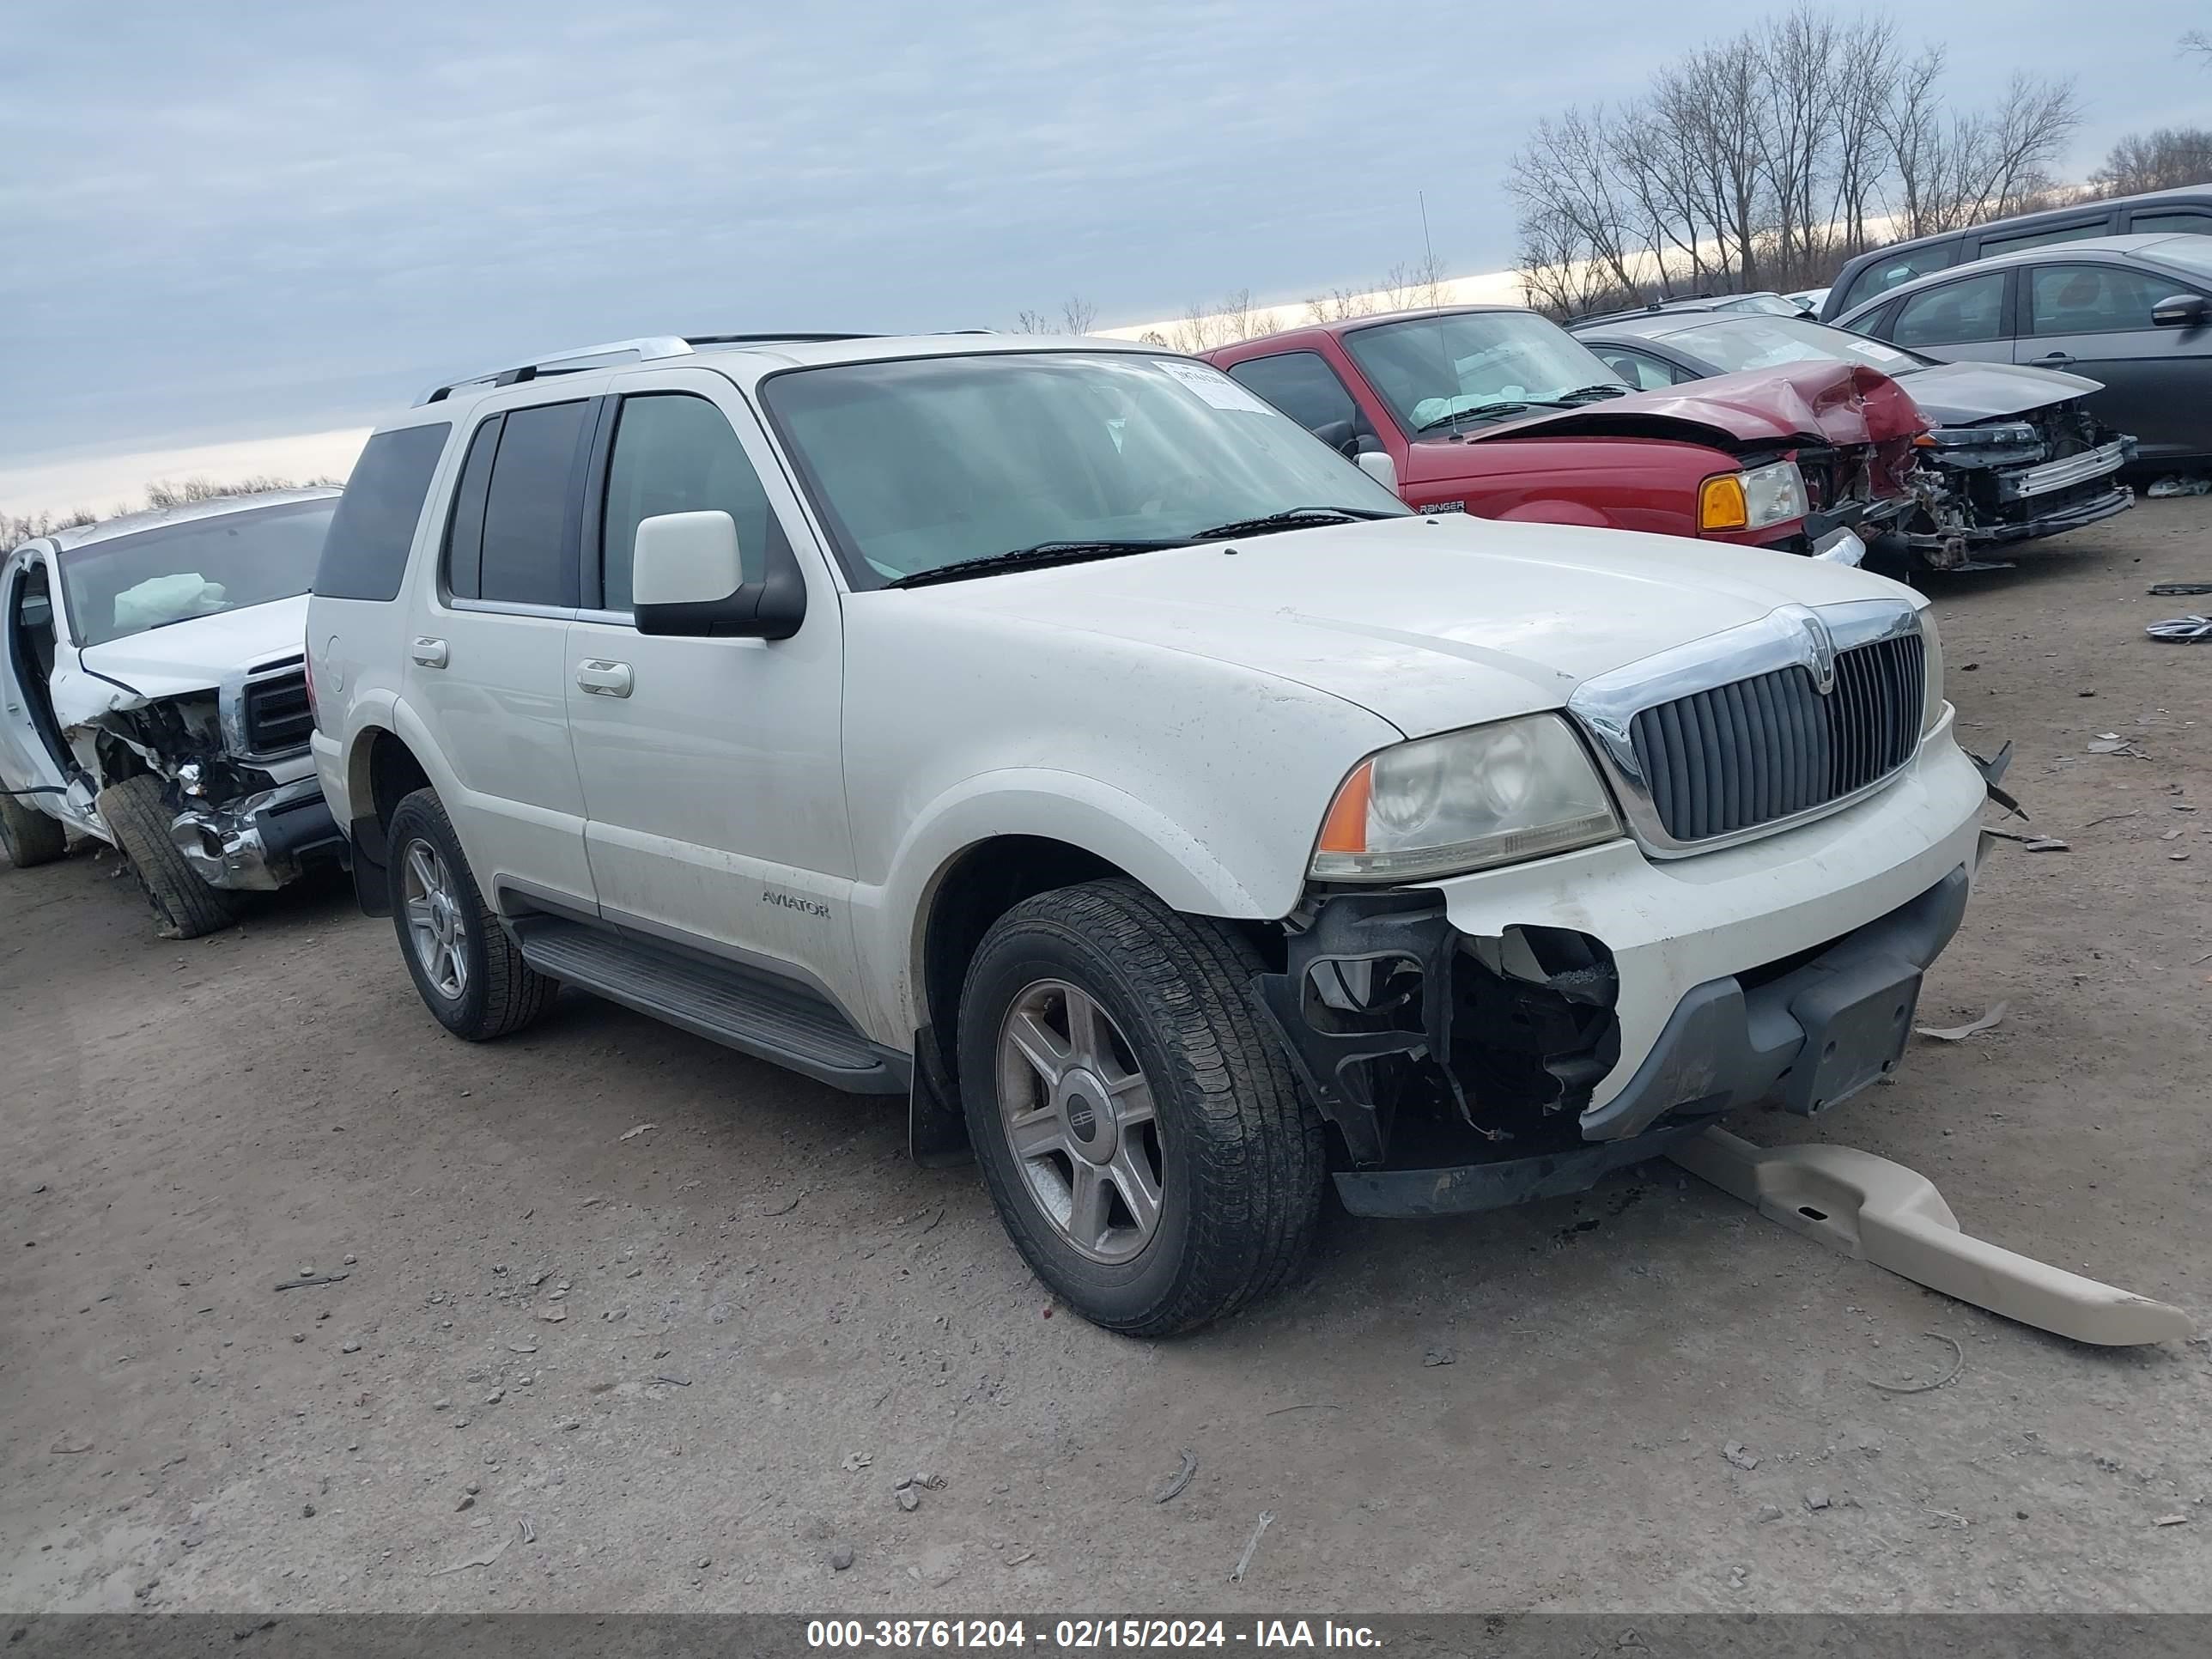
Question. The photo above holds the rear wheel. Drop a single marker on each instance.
(1146, 1146)
(28, 835)
(184, 906)
(469, 972)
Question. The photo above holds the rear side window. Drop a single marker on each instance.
(1302, 384)
(1957, 314)
(2093, 299)
(1889, 269)
(676, 454)
(2029, 239)
(365, 555)
(514, 536)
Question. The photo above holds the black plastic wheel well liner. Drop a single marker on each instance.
(981, 885)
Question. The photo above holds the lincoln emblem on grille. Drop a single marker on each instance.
(1824, 651)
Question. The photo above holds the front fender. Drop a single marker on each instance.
(1166, 856)
(1555, 512)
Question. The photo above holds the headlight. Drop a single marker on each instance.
(1752, 501)
(1492, 794)
(1931, 657)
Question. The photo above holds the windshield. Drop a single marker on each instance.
(935, 461)
(1430, 369)
(126, 586)
(1738, 342)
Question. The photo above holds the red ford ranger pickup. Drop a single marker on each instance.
(1497, 411)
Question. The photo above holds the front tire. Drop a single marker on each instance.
(1145, 1145)
(469, 972)
(184, 906)
(28, 836)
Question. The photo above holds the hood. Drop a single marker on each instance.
(1962, 394)
(1820, 403)
(197, 653)
(1429, 623)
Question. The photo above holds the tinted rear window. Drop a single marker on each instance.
(365, 555)
(1889, 269)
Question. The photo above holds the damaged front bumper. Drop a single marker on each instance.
(1517, 1034)
(260, 842)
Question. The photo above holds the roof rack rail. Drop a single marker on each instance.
(648, 349)
(644, 349)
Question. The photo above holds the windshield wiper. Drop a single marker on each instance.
(1042, 556)
(1588, 394)
(1478, 410)
(1293, 518)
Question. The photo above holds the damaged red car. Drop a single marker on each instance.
(1497, 411)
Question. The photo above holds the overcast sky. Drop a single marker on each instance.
(232, 221)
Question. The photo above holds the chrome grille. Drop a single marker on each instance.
(1772, 746)
(276, 716)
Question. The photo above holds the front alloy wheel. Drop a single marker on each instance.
(1080, 1121)
(1145, 1145)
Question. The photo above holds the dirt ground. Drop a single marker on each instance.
(697, 1357)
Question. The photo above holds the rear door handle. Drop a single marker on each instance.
(601, 679)
(431, 653)
(2053, 360)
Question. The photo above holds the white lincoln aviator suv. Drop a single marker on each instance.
(1054, 734)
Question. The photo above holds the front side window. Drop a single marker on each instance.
(2183, 221)
(1737, 343)
(512, 540)
(173, 574)
(1957, 314)
(1645, 373)
(1887, 272)
(1466, 367)
(2093, 299)
(921, 464)
(1302, 384)
(676, 454)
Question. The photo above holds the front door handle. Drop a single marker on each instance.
(430, 652)
(601, 679)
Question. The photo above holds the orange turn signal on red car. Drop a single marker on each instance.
(1722, 504)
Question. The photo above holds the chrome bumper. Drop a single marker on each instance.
(258, 844)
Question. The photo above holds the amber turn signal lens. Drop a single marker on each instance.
(1344, 830)
(1721, 505)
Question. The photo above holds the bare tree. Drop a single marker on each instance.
(1767, 159)
(1339, 305)
(1032, 322)
(2159, 160)
(1077, 314)
(2197, 44)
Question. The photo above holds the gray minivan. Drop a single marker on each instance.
(2184, 211)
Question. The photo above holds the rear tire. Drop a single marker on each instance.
(183, 906)
(28, 836)
(467, 970)
(1173, 1173)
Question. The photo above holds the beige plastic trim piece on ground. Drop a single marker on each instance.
(1882, 1213)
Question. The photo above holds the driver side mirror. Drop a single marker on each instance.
(687, 578)
(2181, 311)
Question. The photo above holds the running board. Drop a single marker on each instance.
(758, 1014)
(1882, 1213)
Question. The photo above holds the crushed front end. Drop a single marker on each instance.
(1803, 837)
(248, 813)
(1992, 483)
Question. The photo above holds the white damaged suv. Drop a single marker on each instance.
(1052, 733)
